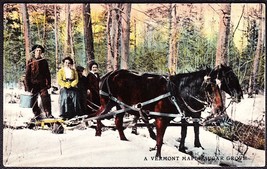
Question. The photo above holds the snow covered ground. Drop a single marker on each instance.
(80, 148)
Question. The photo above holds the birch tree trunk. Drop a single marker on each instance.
(223, 39)
(116, 24)
(88, 34)
(109, 49)
(113, 25)
(172, 59)
(224, 31)
(125, 40)
(254, 72)
(26, 26)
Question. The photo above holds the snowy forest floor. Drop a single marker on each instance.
(80, 148)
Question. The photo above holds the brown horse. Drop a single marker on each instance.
(183, 94)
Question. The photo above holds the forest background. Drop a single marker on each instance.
(160, 37)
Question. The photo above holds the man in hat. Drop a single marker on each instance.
(38, 81)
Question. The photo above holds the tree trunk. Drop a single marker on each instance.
(113, 25)
(224, 31)
(125, 40)
(44, 26)
(68, 49)
(135, 47)
(56, 39)
(116, 24)
(172, 59)
(109, 52)
(223, 39)
(254, 72)
(26, 26)
(88, 34)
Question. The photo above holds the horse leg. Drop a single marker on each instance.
(196, 131)
(99, 124)
(151, 132)
(102, 110)
(98, 128)
(183, 135)
(119, 123)
(149, 127)
(134, 128)
(161, 125)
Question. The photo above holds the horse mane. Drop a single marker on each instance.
(189, 82)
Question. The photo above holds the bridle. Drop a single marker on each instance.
(209, 100)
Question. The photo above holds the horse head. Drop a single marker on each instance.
(228, 81)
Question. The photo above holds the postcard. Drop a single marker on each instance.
(134, 84)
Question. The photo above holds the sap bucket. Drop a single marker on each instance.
(26, 101)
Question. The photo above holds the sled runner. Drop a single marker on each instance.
(44, 122)
(67, 124)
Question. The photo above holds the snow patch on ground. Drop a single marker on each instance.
(81, 148)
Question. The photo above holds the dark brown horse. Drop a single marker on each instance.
(163, 98)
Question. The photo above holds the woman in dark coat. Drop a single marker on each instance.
(93, 98)
(38, 81)
(82, 90)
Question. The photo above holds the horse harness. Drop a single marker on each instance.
(169, 94)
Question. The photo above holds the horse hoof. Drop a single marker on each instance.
(153, 136)
(158, 155)
(198, 145)
(98, 134)
(182, 149)
(124, 139)
(134, 132)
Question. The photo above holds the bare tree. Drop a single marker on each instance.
(69, 48)
(109, 53)
(172, 59)
(26, 26)
(223, 39)
(255, 68)
(88, 33)
(56, 38)
(44, 26)
(113, 31)
(125, 40)
(224, 31)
